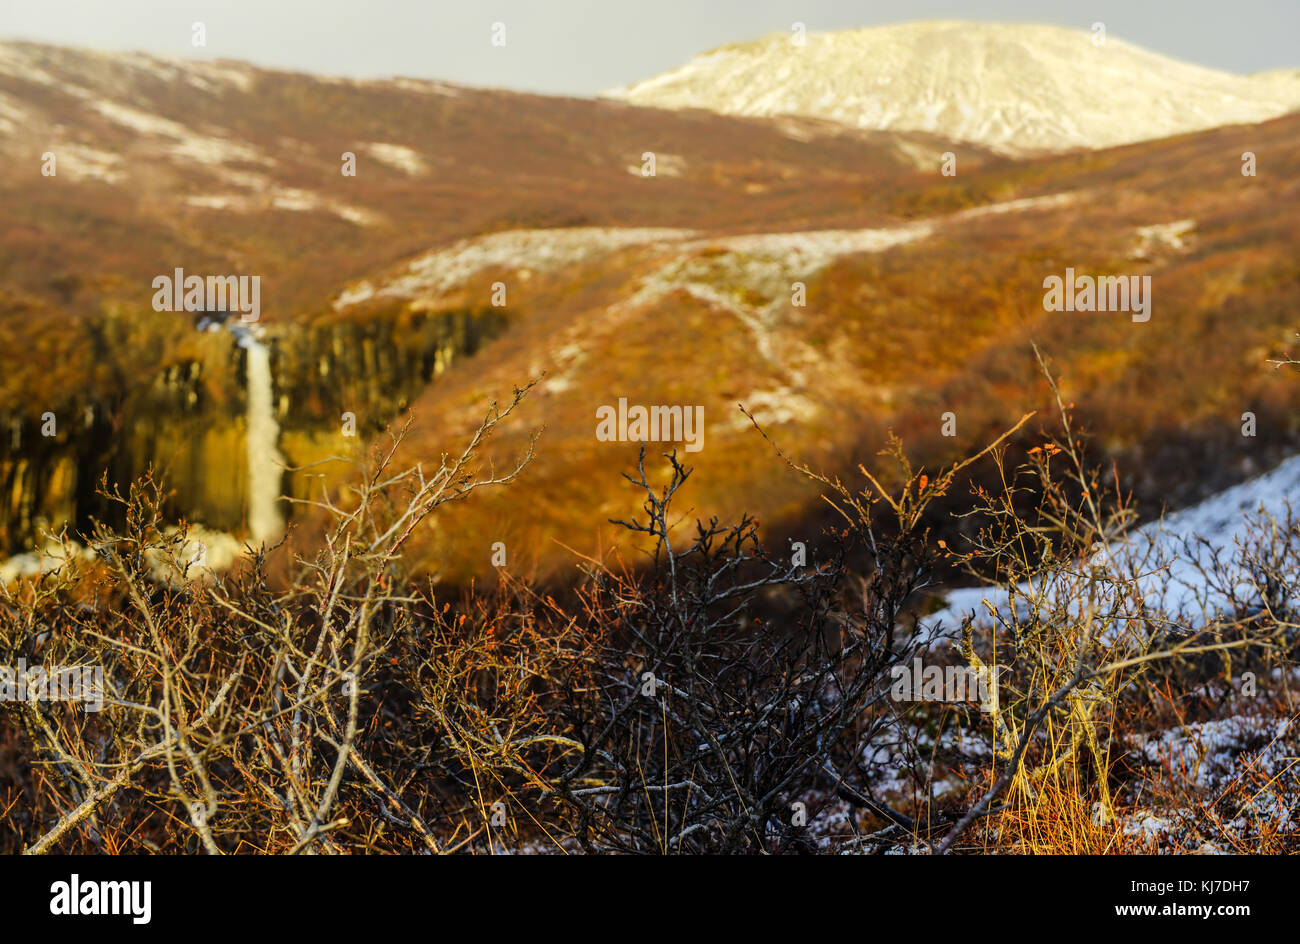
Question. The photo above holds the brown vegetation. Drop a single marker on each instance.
(717, 699)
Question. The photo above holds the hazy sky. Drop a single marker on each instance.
(583, 46)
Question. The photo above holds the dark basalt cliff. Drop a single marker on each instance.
(188, 421)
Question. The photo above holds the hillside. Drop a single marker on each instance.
(220, 167)
(224, 163)
(931, 314)
(923, 293)
(1016, 88)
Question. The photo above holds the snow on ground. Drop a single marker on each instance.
(1172, 236)
(751, 276)
(12, 116)
(139, 121)
(189, 144)
(773, 407)
(20, 60)
(1207, 754)
(1049, 201)
(79, 162)
(289, 199)
(427, 87)
(295, 199)
(542, 249)
(205, 149)
(49, 558)
(397, 156)
(205, 553)
(356, 215)
(213, 75)
(1170, 558)
(215, 201)
(762, 263)
(17, 62)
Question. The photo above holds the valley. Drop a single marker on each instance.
(825, 276)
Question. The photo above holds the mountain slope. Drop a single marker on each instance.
(231, 158)
(903, 323)
(1018, 88)
(225, 168)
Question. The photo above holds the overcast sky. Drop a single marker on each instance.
(581, 47)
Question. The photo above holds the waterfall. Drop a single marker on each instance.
(265, 463)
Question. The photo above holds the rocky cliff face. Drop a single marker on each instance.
(189, 422)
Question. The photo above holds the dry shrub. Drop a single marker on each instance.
(715, 699)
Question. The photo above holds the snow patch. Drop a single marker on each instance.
(398, 157)
(190, 145)
(443, 269)
(298, 201)
(80, 162)
(427, 87)
(1168, 560)
(11, 115)
(1210, 753)
(140, 121)
(1170, 236)
(217, 202)
(774, 407)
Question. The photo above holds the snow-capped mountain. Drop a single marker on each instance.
(1017, 88)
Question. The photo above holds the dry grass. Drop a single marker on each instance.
(717, 699)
